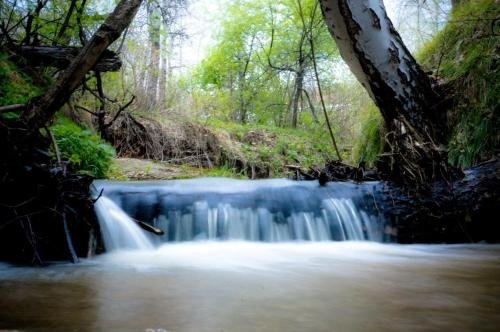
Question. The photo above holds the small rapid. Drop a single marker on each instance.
(275, 210)
(118, 230)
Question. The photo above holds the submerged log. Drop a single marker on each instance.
(61, 57)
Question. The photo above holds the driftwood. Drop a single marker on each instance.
(147, 227)
(61, 57)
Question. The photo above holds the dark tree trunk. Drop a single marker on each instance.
(61, 57)
(40, 111)
(311, 105)
(65, 25)
(409, 103)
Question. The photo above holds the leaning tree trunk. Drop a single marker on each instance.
(41, 110)
(410, 105)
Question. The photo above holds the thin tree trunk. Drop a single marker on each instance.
(31, 19)
(311, 105)
(79, 14)
(40, 111)
(154, 64)
(162, 94)
(297, 91)
(65, 24)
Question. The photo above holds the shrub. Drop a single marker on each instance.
(86, 151)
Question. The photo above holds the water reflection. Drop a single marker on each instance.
(240, 286)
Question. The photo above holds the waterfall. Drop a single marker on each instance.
(224, 209)
(118, 230)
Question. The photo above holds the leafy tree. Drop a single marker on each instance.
(262, 64)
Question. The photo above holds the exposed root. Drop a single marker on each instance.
(44, 207)
(413, 164)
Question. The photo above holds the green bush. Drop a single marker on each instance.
(85, 151)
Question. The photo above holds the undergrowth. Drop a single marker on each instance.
(86, 152)
(16, 86)
(369, 143)
(465, 55)
(274, 148)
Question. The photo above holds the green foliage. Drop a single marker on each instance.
(465, 54)
(235, 82)
(472, 138)
(16, 87)
(273, 148)
(85, 151)
(370, 137)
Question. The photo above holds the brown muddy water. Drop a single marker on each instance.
(242, 286)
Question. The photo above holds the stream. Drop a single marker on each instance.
(236, 255)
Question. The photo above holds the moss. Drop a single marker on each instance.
(465, 55)
(16, 86)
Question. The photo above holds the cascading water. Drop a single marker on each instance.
(118, 230)
(224, 209)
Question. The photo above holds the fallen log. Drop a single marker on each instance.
(464, 211)
(61, 57)
(149, 228)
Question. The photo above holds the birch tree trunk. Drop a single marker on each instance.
(405, 95)
(40, 111)
(154, 64)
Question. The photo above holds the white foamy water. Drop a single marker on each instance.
(119, 231)
(275, 210)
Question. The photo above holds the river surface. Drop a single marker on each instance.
(244, 286)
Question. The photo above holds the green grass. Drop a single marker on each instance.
(273, 147)
(369, 143)
(465, 54)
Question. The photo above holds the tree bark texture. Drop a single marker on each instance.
(412, 108)
(61, 57)
(376, 54)
(40, 111)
